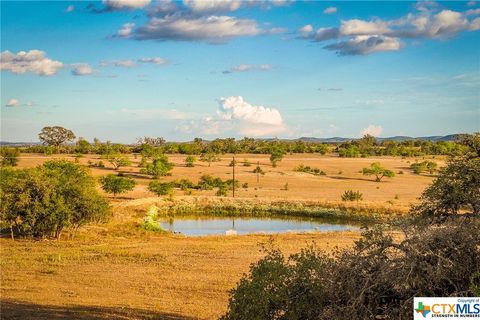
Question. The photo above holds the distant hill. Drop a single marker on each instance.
(450, 137)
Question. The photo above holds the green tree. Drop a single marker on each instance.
(117, 160)
(378, 171)
(420, 167)
(55, 136)
(190, 161)
(83, 146)
(42, 201)
(115, 184)
(9, 156)
(160, 188)
(276, 155)
(455, 190)
(208, 157)
(159, 167)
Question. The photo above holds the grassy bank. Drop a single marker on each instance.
(233, 207)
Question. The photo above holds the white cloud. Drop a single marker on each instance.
(363, 45)
(33, 61)
(248, 67)
(70, 8)
(372, 130)
(216, 6)
(126, 30)
(360, 27)
(154, 60)
(207, 28)
(82, 69)
(125, 4)
(236, 116)
(249, 119)
(330, 10)
(211, 6)
(12, 103)
(306, 29)
(365, 37)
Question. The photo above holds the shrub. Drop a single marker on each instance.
(208, 182)
(9, 156)
(150, 221)
(246, 163)
(351, 195)
(308, 169)
(116, 184)
(420, 167)
(258, 170)
(378, 171)
(160, 188)
(245, 185)
(232, 163)
(190, 161)
(377, 279)
(42, 201)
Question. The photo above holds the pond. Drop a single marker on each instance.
(202, 226)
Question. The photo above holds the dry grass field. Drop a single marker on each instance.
(342, 174)
(117, 271)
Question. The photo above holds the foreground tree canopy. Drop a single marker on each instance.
(42, 201)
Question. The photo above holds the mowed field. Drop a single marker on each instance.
(116, 271)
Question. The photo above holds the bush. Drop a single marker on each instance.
(246, 163)
(9, 156)
(190, 161)
(42, 201)
(376, 280)
(150, 221)
(308, 169)
(420, 167)
(116, 184)
(351, 195)
(160, 188)
(208, 182)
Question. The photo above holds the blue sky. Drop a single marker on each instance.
(122, 69)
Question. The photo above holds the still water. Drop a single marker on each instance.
(202, 226)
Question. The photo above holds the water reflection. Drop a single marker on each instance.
(230, 226)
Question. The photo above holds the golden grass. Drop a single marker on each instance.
(164, 275)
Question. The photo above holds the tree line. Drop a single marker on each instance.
(61, 140)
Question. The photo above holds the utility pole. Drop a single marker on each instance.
(233, 167)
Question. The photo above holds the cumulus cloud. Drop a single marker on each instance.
(12, 103)
(237, 116)
(33, 61)
(215, 29)
(363, 45)
(249, 119)
(70, 8)
(248, 67)
(154, 60)
(365, 37)
(330, 10)
(372, 130)
(82, 69)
